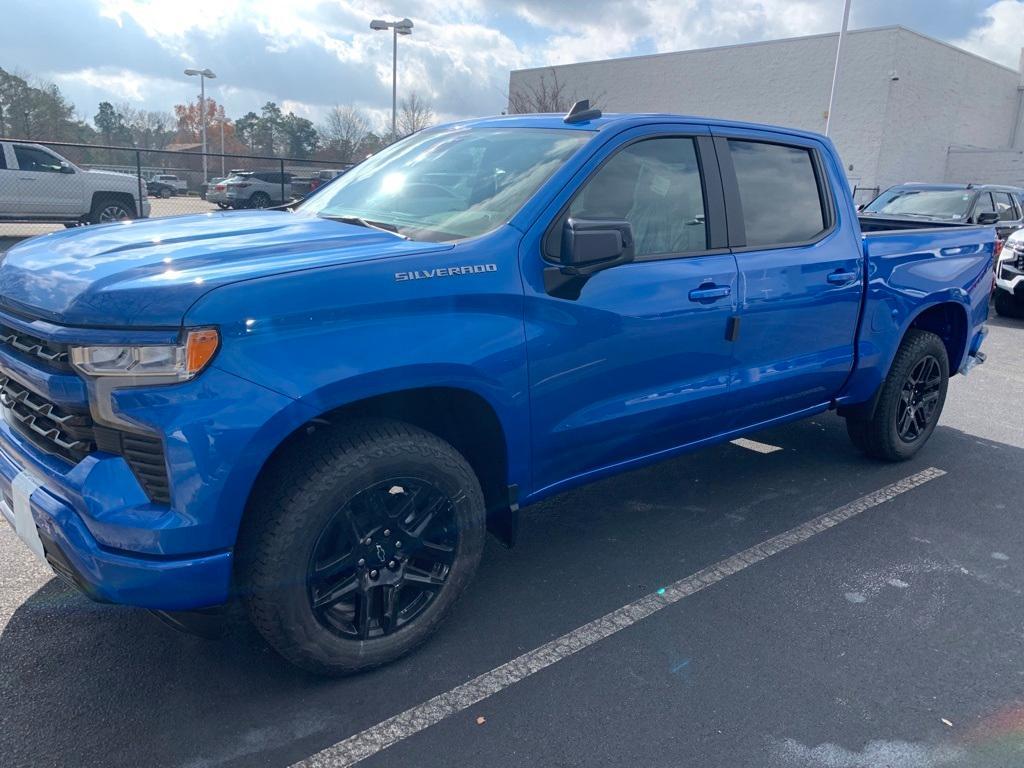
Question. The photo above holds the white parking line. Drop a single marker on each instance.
(389, 732)
(753, 445)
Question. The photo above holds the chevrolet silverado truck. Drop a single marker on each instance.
(318, 413)
(37, 185)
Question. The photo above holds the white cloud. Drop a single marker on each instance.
(1000, 37)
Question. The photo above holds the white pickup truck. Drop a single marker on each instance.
(38, 185)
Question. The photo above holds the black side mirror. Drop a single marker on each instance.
(588, 246)
(66, 168)
(988, 218)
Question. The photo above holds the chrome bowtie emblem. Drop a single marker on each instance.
(380, 552)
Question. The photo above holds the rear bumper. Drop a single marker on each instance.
(102, 573)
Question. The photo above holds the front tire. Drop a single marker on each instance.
(910, 403)
(1008, 305)
(110, 209)
(359, 545)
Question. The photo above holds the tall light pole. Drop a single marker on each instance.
(203, 75)
(835, 71)
(403, 27)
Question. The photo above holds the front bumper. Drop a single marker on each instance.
(90, 515)
(1010, 272)
(65, 542)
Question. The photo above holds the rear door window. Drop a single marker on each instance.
(1005, 206)
(779, 192)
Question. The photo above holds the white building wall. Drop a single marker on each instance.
(887, 130)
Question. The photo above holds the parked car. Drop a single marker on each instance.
(258, 189)
(971, 203)
(166, 184)
(320, 411)
(303, 185)
(39, 185)
(206, 187)
(1009, 289)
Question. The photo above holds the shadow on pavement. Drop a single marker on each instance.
(86, 684)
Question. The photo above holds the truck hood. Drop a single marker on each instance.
(149, 272)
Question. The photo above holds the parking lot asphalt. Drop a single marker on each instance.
(893, 638)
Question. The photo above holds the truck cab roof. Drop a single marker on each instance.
(623, 121)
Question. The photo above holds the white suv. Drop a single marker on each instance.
(38, 185)
(1009, 296)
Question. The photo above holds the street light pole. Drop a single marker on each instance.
(203, 74)
(835, 71)
(403, 27)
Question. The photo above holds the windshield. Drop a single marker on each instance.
(448, 184)
(932, 203)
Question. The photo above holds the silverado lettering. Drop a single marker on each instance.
(418, 274)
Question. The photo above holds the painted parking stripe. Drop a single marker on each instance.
(393, 730)
(753, 445)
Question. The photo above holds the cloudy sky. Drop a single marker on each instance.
(311, 54)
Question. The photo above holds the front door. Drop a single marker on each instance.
(800, 275)
(41, 186)
(638, 362)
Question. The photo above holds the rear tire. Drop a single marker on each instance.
(1008, 305)
(259, 200)
(165, 193)
(910, 403)
(339, 571)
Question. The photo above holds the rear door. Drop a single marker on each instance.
(637, 362)
(800, 273)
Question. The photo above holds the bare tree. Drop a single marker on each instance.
(546, 94)
(414, 114)
(345, 131)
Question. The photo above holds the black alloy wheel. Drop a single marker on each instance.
(382, 558)
(919, 399)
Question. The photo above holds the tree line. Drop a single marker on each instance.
(38, 110)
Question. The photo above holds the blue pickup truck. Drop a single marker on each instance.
(319, 413)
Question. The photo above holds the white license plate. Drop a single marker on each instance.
(18, 512)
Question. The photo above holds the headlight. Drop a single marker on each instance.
(170, 362)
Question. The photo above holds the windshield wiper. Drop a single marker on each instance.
(382, 226)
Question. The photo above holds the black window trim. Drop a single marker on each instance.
(711, 189)
(734, 207)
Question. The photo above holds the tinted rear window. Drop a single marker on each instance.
(779, 192)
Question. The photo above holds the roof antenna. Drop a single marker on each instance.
(581, 112)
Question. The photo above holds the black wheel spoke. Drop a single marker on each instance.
(422, 578)
(368, 611)
(331, 595)
(427, 515)
(389, 612)
(438, 553)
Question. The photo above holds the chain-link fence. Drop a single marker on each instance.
(45, 186)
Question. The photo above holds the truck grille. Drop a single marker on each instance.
(51, 354)
(72, 436)
(61, 432)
